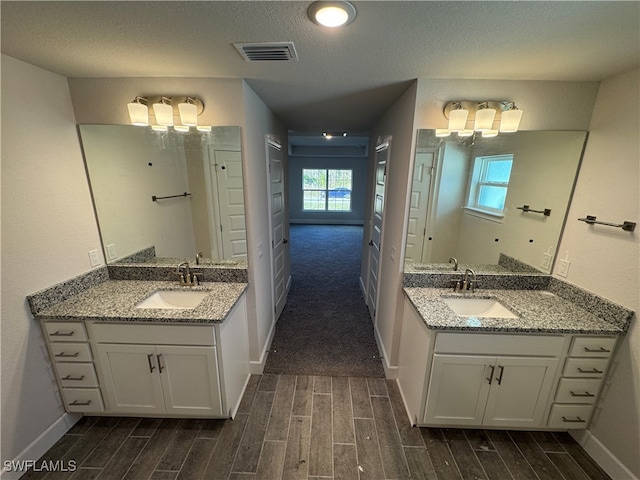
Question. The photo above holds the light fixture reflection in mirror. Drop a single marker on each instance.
(463, 206)
(128, 165)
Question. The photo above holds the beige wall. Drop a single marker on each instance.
(48, 227)
(605, 260)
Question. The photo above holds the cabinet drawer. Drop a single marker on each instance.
(585, 367)
(592, 346)
(77, 374)
(492, 344)
(83, 399)
(71, 352)
(569, 416)
(578, 390)
(65, 331)
(153, 334)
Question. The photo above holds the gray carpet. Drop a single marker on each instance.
(325, 328)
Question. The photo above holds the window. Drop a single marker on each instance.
(326, 190)
(489, 184)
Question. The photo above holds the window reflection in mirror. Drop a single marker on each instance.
(161, 196)
(467, 197)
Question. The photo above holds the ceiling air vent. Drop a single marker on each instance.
(267, 52)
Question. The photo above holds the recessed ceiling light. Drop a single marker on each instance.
(332, 14)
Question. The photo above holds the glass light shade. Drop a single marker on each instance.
(159, 128)
(181, 128)
(442, 132)
(489, 133)
(163, 113)
(203, 128)
(510, 120)
(465, 133)
(332, 16)
(458, 119)
(138, 113)
(188, 114)
(484, 119)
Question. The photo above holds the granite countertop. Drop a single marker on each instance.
(539, 311)
(115, 301)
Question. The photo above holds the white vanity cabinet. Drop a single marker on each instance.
(471, 386)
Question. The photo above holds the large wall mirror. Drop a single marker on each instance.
(174, 194)
(478, 199)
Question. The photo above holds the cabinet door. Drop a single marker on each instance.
(189, 378)
(131, 380)
(458, 389)
(519, 391)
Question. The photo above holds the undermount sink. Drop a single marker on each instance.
(479, 307)
(173, 299)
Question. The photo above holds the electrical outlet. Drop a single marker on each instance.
(393, 253)
(260, 251)
(94, 259)
(111, 251)
(546, 261)
(563, 269)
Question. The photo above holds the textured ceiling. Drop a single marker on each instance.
(345, 79)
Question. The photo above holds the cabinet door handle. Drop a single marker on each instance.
(67, 355)
(151, 365)
(499, 379)
(585, 394)
(58, 333)
(490, 377)
(599, 350)
(573, 420)
(76, 403)
(69, 377)
(593, 370)
(160, 363)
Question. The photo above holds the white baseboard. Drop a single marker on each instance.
(304, 221)
(256, 367)
(390, 371)
(364, 291)
(40, 445)
(602, 455)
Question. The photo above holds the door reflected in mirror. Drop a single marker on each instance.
(496, 204)
(161, 196)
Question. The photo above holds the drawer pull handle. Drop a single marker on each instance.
(67, 355)
(58, 333)
(573, 420)
(499, 379)
(77, 403)
(69, 377)
(585, 394)
(160, 367)
(599, 350)
(490, 377)
(151, 365)
(593, 370)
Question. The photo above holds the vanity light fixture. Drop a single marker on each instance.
(138, 111)
(483, 114)
(329, 136)
(332, 14)
(442, 132)
(163, 110)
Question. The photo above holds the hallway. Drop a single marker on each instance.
(325, 328)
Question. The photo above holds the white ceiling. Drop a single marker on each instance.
(345, 79)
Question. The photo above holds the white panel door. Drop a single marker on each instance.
(228, 170)
(279, 220)
(419, 203)
(375, 241)
(519, 392)
(189, 378)
(458, 389)
(131, 380)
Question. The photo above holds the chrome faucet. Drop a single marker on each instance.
(186, 277)
(454, 260)
(469, 284)
(199, 258)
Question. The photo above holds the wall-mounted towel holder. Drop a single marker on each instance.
(525, 208)
(626, 226)
(155, 198)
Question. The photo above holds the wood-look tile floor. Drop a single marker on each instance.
(304, 427)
